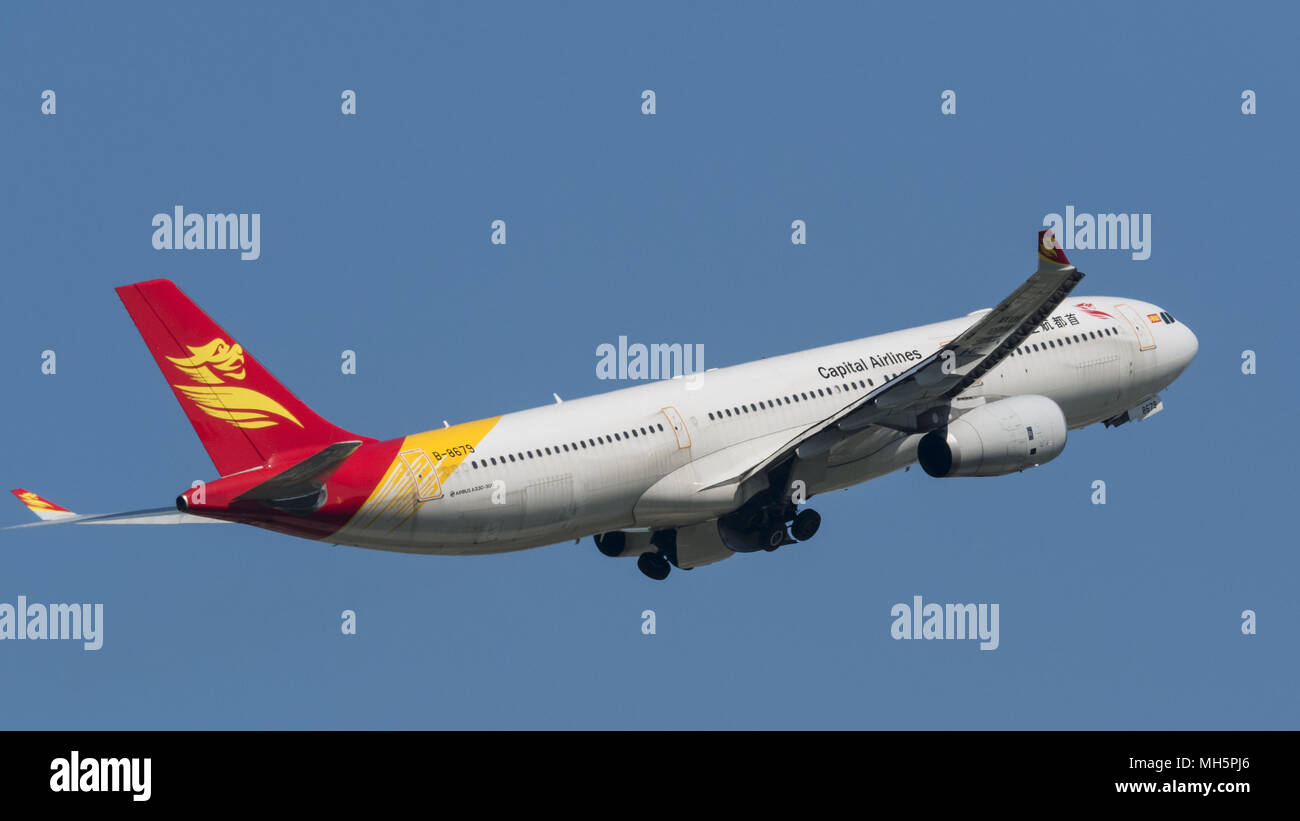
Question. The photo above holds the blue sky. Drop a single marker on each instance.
(666, 228)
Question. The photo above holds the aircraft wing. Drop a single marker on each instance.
(917, 399)
(52, 514)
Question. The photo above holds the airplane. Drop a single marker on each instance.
(680, 472)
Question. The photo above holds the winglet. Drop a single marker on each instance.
(1051, 257)
(43, 508)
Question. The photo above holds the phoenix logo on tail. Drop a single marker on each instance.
(229, 359)
(241, 407)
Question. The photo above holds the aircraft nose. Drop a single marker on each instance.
(1185, 349)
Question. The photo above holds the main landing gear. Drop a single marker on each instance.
(746, 531)
(803, 526)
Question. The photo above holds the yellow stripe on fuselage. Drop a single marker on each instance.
(394, 499)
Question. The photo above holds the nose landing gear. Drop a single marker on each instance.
(654, 565)
(658, 563)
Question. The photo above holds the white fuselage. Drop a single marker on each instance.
(567, 470)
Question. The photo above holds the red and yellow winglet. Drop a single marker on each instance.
(1050, 254)
(43, 508)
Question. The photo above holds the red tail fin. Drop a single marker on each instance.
(238, 409)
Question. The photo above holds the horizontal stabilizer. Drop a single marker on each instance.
(155, 516)
(301, 477)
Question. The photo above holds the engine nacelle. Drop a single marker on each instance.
(1001, 437)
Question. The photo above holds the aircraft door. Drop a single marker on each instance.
(423, 473)
(679, 427)
(1140, 326)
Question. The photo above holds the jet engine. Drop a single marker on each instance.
(1000, 437)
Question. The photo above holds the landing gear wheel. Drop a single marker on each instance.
(773, 537)
(805, 525)
(654, 566)
(611, 544)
